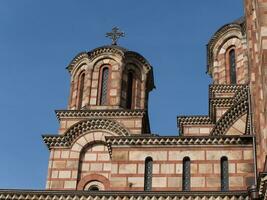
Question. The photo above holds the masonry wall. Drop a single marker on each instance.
(256, 20)
(128, 167)
(122, 167)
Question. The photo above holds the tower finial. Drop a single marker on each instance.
(114, 35)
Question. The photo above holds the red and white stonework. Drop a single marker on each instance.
(104, 146)
(104, 140)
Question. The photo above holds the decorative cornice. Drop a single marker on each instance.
(178, 140)
(76, 59)
(81, 127)
(192, 120)
(215, 89)
(221, 102)
(120, 195)
(114, 49)
(99, 113)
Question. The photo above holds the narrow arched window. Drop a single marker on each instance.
(129, 97)
(224, 174)
(104, 86)
(148, 174)
(186, 174)
(80, 90)
(232, 66)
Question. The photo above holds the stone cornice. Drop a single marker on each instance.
(120, 195)
(215, 89)
(179, 140)
(192, 120)
(99, 113)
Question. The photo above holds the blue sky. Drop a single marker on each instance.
(38, 39)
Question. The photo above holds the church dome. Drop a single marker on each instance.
(127, 75)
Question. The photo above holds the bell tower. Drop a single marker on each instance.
(110, 77)
(108, 97)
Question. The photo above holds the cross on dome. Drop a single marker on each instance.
(115, 34)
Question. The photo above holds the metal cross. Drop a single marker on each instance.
(114, 35)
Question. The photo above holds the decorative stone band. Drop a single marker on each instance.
(119, 195)
(179, 140)
(221, 102)
(215, 89)
(83, 126)
(192, 120)
(164, 141)
(262, 185)
(99, 113)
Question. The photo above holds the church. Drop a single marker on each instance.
(104, 148)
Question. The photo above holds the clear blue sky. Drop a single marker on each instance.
(38, 39)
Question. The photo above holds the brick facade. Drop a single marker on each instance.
(105, 146)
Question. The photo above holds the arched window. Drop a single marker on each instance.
(186, 174)
(148, 174)
(224, 174)
(104, 86)
(232, 66)
(80, 90)
(129, 97)
(93, 188)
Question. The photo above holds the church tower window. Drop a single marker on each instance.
(148, 174)
(224, 174)
(104, 86)
(130, 90)
(186, 174)
(232, 66)
(80, 90)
